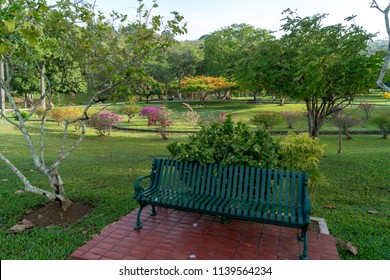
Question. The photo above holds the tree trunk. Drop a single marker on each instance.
(314, 124)
(340, 150)
(43, 87)
(226, 95)
(57, 185)
(2, 92)
(54, 180)
(255, 95)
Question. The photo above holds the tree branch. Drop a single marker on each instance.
(27, 185)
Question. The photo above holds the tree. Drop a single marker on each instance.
(322, 65)
(261, 68)
(204, 85)
(386, 62)
(223, 48)
(81, 36)
(180, 60)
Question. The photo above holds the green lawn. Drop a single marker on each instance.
(102, 172)
(244, 111)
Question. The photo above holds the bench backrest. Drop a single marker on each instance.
(283, 192)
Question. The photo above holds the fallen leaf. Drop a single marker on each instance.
(374, 212)
(347, 245)
(4, 180)
(329, 207)
(19, 192)
(20, 227)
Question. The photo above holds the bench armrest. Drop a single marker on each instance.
(137, 185)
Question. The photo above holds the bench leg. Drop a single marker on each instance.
(139, 225)
(154, 211)
(304, 238)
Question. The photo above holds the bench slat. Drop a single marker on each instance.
(287, 196)
(281, 195)
(300, 201)
(265, 210)
(274, 194)
(293, 195)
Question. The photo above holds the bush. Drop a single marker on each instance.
(39, 112)
(60, 115)
(158, 117)
(345, 123)
(103, 122)
(228, 143)
(301, 152)
(24, 114)
(191, 117)
(383, 122)
(367, 108)
(291, 117)
(266, 120)
(130, 111)
(212, 118)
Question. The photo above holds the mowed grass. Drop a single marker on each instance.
(102, 172)
(243, 111)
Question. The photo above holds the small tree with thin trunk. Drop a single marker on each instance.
(325, 66)
(93, 42)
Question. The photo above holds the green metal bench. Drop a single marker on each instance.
(241, 192)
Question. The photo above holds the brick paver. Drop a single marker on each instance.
(177, 235)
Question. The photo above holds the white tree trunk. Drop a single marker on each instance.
(2, 92)
(386, 62)
(43, 87)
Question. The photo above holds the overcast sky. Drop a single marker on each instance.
(205, 16)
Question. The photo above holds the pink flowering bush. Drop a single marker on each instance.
(159, 117)
(367, 108)
(291, 117)
(213, 119)
(346, 123)
(103, 122)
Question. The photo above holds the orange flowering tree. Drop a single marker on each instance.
(204, 85)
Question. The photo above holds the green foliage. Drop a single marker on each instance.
(266, 120)
(224, 48)
(24, 114)
(301, 152)
(60, 115)
(324, 66)
(228, 143)
(130, 111)
(383, 122)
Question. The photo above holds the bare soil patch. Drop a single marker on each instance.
(52, 214)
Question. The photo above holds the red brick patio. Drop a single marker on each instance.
(177, 235)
